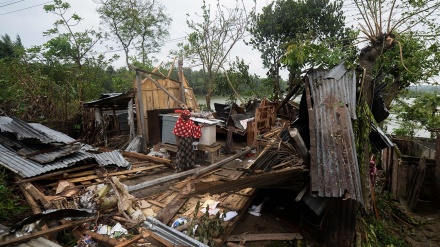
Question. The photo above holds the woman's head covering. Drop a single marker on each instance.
(186, 113)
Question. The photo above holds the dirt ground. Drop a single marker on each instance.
(427, 232)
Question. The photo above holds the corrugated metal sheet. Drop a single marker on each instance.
(56, 153)
(316, 204)
(378, 139)
(111, 100)
(29, 168)
(23, 130)
(56, 136)
(344, 85)
(111, 158)
(46, 159)
(334, 167)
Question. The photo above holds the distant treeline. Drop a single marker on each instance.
(422, 89)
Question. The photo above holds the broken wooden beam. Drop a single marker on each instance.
(162, 180)
(53, 174)
(102, 239)
(300, 145)
(264, 237)
(28, 237)
(167, 213)
(195, 172)
(288, 96)
(37, 195)
(220, 163)
(91, 177)
(130, 241)
(262, 180)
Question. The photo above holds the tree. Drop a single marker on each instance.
(211, 40)
(135, 24)
(70, 46)
(238, 83)
(423, 113)
(293, 26)
(386, 25)
(9, 48)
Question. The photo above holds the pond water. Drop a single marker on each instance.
(214, 99)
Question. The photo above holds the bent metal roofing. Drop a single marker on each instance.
(21, 149)
(334, 168)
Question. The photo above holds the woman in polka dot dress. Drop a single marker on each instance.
(185, 130)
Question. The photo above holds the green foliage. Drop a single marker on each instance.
(306, 33)
(247, 85)
(207, 227)
(410, 61)
(212, 39)
(9, 203)
(10, 49)
(422, 113)
(385, 238)
(135, 25)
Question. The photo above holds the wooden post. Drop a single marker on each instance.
(294, 133)
(171, 68)
(131, 120)
(102, 124)
(116, 120)
(142, 129)
(182, 87)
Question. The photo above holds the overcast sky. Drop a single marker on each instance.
(28, 19)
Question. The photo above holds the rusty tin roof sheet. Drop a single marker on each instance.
(334, 167)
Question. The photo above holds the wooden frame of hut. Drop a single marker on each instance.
(157, 91)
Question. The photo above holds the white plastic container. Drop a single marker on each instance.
(208, 135)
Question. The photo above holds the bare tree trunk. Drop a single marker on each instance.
(367, 59)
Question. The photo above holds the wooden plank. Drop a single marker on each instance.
(28, 237)
(264, 237)
(130, 242)
(416, 184)
(102, 239)
(53, 174)
(156, 203)
(142, 127)
(162, 180)
(220, 163)
(230, 174)
(169, 147)
(151, 235)
(168, 212)
(92, 177)
(254, 181)
(36, 194)
(31, 201)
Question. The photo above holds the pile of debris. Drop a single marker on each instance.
(72, 185)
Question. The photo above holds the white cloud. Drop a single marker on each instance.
(29, 22)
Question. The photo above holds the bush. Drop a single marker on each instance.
(10, 207)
